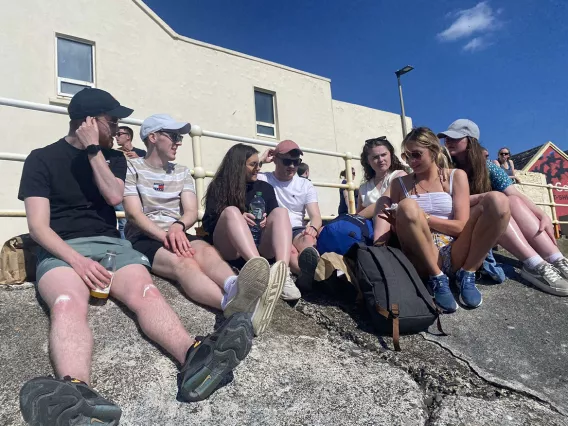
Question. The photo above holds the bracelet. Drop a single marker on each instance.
(179, 222)
(314, 228)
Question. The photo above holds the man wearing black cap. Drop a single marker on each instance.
(69, 189)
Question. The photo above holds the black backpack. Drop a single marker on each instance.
(393, 293)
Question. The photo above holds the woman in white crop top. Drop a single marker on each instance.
(381, 166)
(433, 223)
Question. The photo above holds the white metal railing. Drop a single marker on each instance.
(199, 173)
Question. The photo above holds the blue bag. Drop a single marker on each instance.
(344, 231)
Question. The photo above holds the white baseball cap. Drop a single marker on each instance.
(164, 122)
(460, 129)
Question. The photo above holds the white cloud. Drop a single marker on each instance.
(475, 44)
(479, 18)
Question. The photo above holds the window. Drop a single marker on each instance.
(75, 66)
(265, 118)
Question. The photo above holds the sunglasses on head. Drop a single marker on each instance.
(415, 155)
(290, 162)
(371, 141)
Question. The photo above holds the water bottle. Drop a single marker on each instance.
(109, 263)
(257, 209)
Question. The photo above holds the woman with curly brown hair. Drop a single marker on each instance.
(380, 166)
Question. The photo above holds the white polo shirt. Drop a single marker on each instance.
(294, 195)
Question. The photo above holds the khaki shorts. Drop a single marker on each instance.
(94, 248)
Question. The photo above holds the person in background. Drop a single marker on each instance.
(304, 171)
(124, 137)
(344, 194)
(504, 161)
(430, 213)
(228, 219)
(485, 153)
(381, 166)
(298, 196)
(530, 234)
(69, 188)
(160, 202)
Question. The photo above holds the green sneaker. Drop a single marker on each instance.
(67, 401)
(211, 358)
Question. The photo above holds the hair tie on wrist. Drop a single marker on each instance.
(179, 222)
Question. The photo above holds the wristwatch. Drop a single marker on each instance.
(93, 149)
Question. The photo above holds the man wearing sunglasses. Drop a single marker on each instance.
(298, 196)
(69, 189)
(124, 138)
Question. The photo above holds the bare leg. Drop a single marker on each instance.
(488, 220)
(133, 286)
(275, 240)
(211, 263)
(515, 242)
(415, 237)
(232, 236)
(529, 224)
(195, 283)
(70, 338)
(294, 267)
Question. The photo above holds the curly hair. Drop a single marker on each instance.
(370, 144)
(228, 186)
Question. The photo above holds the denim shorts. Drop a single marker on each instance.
(94, 248)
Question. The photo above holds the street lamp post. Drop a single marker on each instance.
(398, 73)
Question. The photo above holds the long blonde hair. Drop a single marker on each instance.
(426, 138)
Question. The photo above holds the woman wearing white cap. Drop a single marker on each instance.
(530, 235)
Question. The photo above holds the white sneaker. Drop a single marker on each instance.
(267, 302)
(251, 284)
(290, 292)
(562, 266)
(547, 278)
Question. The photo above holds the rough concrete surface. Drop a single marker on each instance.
(319, 364)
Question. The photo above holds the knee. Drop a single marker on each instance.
(186, 264)
(408, 211)
(496, 204)
(69, 305)
(142, 296)
(231, 213)
(279, 213)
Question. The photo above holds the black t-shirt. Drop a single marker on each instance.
(210, 218)
(63, 174)
(342, 204)
(139, 152)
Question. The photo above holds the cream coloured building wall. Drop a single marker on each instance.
(150, 68)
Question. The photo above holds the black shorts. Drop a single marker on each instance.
(297, 230)
(149, 246)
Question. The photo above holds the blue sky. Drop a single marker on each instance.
(504, 64)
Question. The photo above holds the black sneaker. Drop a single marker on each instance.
(67, 401)
(211, 358)
(308, 262)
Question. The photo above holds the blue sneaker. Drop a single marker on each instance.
(442, 294)
(470, 296)
(491, 269)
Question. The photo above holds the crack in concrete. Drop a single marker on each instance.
(496, 384)
(435, 386)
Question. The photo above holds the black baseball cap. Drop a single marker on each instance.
(91, 102)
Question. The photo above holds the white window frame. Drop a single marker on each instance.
(60, 80)
(262, 123)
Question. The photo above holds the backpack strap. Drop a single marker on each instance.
(425, 295)
(378, 254)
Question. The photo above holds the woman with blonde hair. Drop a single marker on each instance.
(429, 211)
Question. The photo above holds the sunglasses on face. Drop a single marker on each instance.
(503, 153)
(174, 137)
(113, 123)
(290, 162)
(414, 155)
(121, 134)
